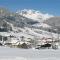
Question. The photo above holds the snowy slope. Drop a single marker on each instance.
(33, 14)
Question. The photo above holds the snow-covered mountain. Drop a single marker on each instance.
(26, 24)
(35, 15)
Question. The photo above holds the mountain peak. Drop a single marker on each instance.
(33, 14)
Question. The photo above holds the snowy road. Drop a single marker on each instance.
(29, 54)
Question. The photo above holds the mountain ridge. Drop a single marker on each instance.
(33, 14)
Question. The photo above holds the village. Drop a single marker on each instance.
(18, 40)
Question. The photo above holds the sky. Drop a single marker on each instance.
(46, 6)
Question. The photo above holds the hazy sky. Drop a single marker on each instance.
(49, 6)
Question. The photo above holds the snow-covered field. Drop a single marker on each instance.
(28, 54)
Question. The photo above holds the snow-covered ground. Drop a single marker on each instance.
(28, 54)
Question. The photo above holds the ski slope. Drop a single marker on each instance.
(28, 54)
